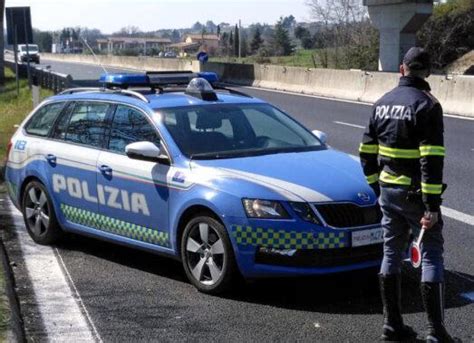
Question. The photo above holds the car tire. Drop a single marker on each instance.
(207, 255)
(38, 212)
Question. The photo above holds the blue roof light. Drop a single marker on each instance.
(125, 79)
(150, 79)
(209, 77)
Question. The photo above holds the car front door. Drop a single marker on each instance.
(135, 203)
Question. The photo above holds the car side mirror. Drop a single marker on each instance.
(321, 136)
(145, 151)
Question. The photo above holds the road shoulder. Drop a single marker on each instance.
(11, 324)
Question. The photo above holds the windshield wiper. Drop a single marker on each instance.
(249, 153)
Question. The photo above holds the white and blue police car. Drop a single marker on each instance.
(224, 182)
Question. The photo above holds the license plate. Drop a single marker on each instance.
(367, 237)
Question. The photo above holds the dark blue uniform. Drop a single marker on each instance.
(402, 155)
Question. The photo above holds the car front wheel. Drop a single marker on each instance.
(39, 216)
(207, 255)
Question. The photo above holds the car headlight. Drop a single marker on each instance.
(305, 212)
(264, 209)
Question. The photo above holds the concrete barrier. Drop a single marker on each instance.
(455, 92)
(128, 62)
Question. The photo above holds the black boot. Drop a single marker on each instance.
(393, 328)
(433, 301)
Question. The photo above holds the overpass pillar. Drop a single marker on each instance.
(398, 22)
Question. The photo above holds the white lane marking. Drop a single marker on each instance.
(458, 117)
(448, 212)
(349, 124)
(459, 216)
(335, 99)
(61, 315)
(78, 296)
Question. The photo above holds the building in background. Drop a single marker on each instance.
(197, 42)
(116, 44)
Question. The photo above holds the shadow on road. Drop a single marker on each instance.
(344, 293)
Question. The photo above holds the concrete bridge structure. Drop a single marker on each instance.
(398, 22)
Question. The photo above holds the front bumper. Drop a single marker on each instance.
(266, 248)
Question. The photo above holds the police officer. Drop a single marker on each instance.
(402, 154)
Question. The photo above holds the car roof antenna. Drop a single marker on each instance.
(93, 54)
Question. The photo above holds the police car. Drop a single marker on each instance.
(224, 182)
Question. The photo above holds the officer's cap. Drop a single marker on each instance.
(417, 59)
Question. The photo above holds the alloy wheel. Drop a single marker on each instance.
(205, 254)
(37, 211)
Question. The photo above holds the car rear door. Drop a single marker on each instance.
(136, 192)
(72, 156)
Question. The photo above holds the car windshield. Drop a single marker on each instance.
(31, 48)
(232, 130)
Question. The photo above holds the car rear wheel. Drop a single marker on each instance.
(207, 255)
(39, 216)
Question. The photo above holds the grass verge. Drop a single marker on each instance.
(14, 109)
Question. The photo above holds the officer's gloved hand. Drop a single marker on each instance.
(429, 220)
(376, 188)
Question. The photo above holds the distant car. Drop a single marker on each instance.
(222, 181)
(170, 54)
(32, 52)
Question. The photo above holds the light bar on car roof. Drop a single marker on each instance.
(151, 79)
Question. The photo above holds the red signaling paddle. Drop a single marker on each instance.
(415, 251)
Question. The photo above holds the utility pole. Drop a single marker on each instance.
(240, 39)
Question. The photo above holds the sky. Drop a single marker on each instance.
(111, 15)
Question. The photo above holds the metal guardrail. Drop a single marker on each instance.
(43, 77)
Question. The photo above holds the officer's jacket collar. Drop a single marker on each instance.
(409, 81)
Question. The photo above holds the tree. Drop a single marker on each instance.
(236, 40)
(281, 40)
(340, 26)
(243, 44)
(303, 34)
(449, 33)
(257, 41)
(175, 36)
(44, 39)
(2, 44)
(210, 26)
(231, 42)
(129, 31)
(224, 43)
(218, 30)
(289, 22)
(197, 27)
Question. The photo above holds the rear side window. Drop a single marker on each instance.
(130, 126)
(88, 124)
(43, 120)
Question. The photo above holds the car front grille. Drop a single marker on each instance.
(348, 215)
(321, 258)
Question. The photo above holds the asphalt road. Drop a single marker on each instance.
(130, 295)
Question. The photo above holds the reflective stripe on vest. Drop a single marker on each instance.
(395, 180)
(398, 153)
(432, 150)
(372, 178)
(369, 148)
(431, 188)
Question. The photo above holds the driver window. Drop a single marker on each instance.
(130, 126)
